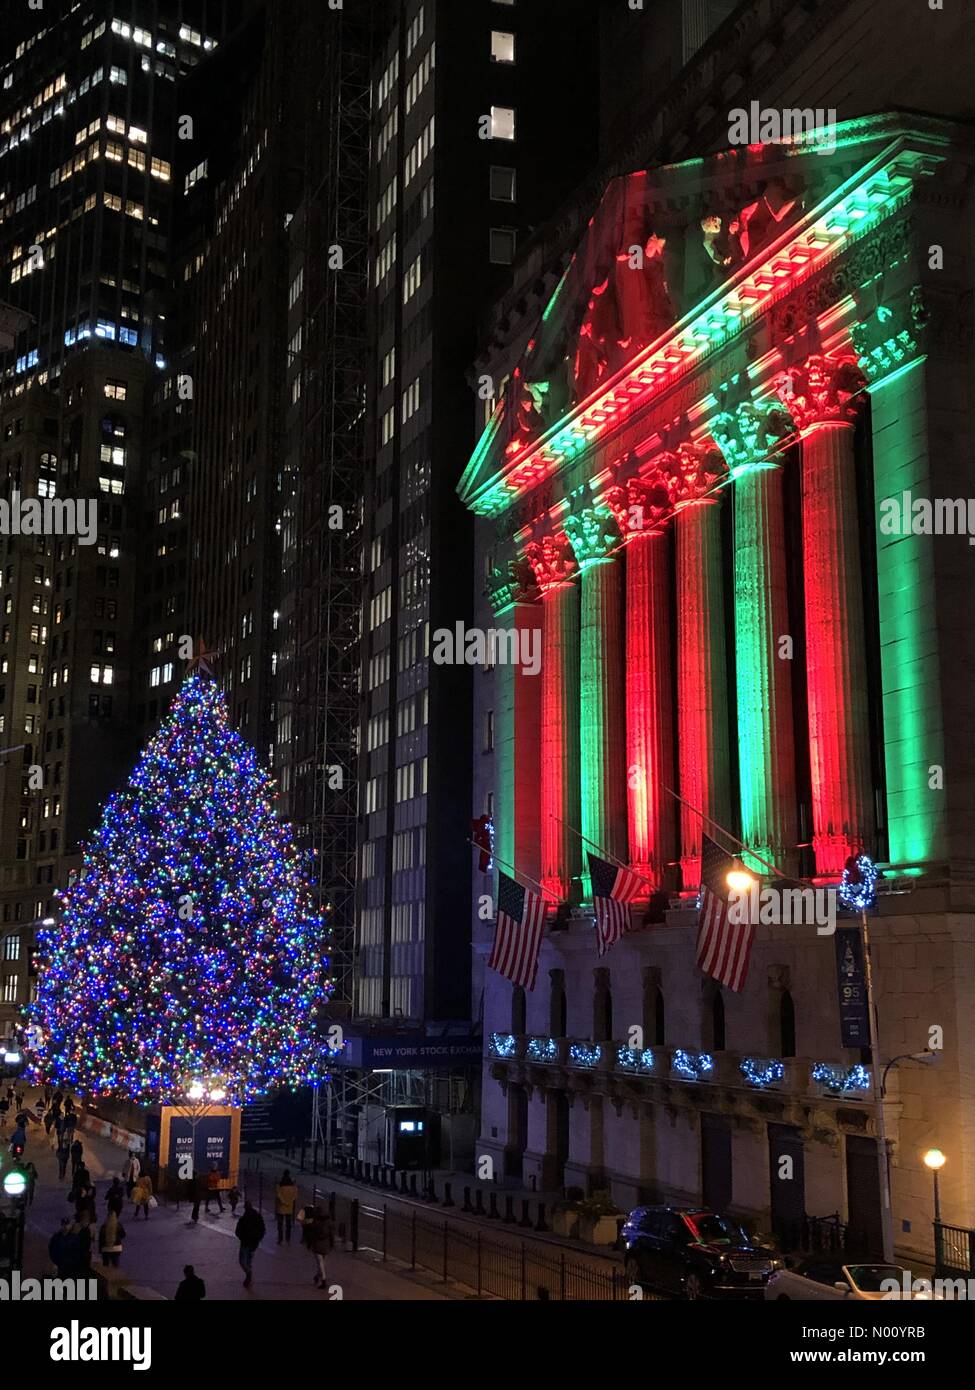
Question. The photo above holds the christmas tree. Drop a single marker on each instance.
(187, 948)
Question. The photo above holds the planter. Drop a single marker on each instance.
(599, 1230)
(565, 1223)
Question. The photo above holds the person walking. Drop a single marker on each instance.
(130, 1173)
(77, 1154)
(142, 1195)
(213, 1188)
(4, 1108)
(201, 1190)
(31, 1170)
(61, 1250)
(110, 1239)
(320, 1239)
(18, 1142)
(115, 1197)
(250, 1231)
(63, 1153)
(191, 1287)
(85, 1206)
(285, 1197)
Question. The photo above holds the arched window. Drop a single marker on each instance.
(557, 1005)
(518, 1010)
(602, 1008)
(787, 1025)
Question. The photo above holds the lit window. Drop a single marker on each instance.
(502, 123)
(502, 47)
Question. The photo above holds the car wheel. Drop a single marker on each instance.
(632, 1271)
(693, 1288)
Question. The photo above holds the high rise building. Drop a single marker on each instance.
(464, 100)
(88, 117)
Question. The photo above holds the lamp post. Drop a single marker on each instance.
(200, 1096)
(935, 1160)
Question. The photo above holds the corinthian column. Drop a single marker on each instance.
(702, 681)
(602, 733)
(554, 567)
(641, 509)
(766, 755)
(514, 598)
(822, 396)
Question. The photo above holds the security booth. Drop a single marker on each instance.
(412, 1138)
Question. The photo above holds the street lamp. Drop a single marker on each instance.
(739, 880)
(935, 1160)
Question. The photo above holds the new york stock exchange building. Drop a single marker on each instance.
(712, 480)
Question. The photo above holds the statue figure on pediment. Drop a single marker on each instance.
(763, 220)
(721, 242)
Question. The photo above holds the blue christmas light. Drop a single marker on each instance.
(632, 1059)
(841, 1079)
(188, 945)
(543, 1050)
(585, 1054)
(761, 1072)
(857, 890)
(692, 1065)
(504, 1044)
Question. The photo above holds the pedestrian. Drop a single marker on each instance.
(70, 1124)
(77, 1154)
(48, 1122)
(59, 1125)
(142, 1195)
(61, 1250)
(201, 1191)
(285, 1198)
(18, 1142)
(63, 1153)
(31, 1170)
(131, 1171)
(250, 1231)
(79, 1182)
(85, 1206)
(234, 1197)
(4, 1107)
(115, 1197)
(191, 1287)
(47, 1094)
(319, 1233)
(81, 1230)
(39, 1109)
(213, 1188)
(20, 1100)
(110, 1239)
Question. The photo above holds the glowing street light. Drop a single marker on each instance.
(739, 880)
(935, 1160)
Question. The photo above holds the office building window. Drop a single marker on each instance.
(502, 47)
(502, 184)
(502, 123)
(502, 245)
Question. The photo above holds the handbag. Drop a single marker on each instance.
(153, 1204)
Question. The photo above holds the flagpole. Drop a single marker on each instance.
(729, 836)
(533, 881)
(618, 862)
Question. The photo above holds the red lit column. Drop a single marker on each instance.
(822, 396)
(641, 508)
(602, 728)
(554, 567)
(702, 682)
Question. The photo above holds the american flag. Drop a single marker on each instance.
(723, 947)
(613, 889)
(518, 934)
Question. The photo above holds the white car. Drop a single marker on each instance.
(826, 1277)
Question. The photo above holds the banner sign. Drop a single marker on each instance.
(851, 983)
(413, 1054)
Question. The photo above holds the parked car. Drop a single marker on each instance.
(694, 1253)
(827, 1277)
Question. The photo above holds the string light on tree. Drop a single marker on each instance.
(188, 945)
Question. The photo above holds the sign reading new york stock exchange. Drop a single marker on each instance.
(414, 1054)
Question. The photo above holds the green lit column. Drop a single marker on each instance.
(910, 633)
(517, 709)
(763, 640)
(602, 728)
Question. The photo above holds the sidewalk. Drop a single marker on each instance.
(156, 1250)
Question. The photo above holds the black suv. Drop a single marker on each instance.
(694, 1253)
